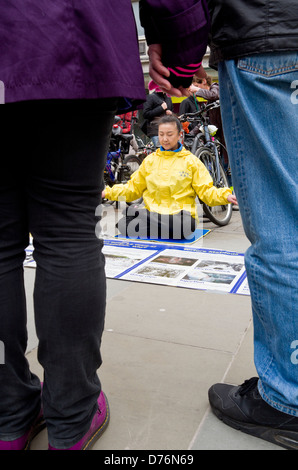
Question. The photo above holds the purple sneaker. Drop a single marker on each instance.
(24, 442)
(98, 426)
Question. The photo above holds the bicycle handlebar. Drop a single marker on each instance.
(207, 107)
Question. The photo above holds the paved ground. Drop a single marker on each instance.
(163, 347)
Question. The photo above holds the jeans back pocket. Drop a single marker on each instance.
(270, 64)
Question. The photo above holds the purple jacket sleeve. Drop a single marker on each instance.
(180, 26)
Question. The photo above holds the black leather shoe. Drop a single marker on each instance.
(244, 409)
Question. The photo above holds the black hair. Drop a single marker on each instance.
(170, 119)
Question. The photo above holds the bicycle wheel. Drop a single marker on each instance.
(219, 215)
(132, 163)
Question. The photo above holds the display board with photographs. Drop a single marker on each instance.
(173, 265)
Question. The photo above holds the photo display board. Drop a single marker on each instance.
(172, 265)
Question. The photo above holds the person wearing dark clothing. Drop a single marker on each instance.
(158, 104)
(240, 28)
(62, 89)
(254, 47)
(211, 93)
(189, 105)
(61, 96)
(182, 28)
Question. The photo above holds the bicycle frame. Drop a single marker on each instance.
(110, 157)
(212, 146)
(206, 148)
(202, 116)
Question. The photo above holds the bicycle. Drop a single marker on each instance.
(143, 149)
(119, 166)
(208, 150)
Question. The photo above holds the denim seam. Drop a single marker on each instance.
(267, 73)
(257, 299)
(236, 140)
(274, 404)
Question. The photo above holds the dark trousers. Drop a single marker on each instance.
(51, 180)
(141, 223)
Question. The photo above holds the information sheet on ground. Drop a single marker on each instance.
(172, 265)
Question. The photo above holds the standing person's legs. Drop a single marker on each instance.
(260, 117)
(66, 146)
(65, 185)
(20, 401)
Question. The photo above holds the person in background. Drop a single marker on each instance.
(190, 104)
(158, 104)
(169, 180)
(209, 91)
(257, 61)
(127, 121)
(127, 125)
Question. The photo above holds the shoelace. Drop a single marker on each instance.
(248, 386)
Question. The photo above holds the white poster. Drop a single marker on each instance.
(172, 265)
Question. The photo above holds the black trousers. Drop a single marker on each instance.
(141, 223)
(51, 180)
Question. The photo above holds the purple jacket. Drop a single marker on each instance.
(181, 26)
(69, 49)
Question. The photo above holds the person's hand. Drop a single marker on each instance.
(232, 199)
(103, 194)
(193, 88)
(159, 73)
(169, 112)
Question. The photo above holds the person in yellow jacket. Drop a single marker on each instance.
(169, 181)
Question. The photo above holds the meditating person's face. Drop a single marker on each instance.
(168, 136)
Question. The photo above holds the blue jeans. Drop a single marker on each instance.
(260, 116)
(51, 180)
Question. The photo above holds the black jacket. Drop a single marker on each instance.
(189, 105)
(245, 27)
(153, 110)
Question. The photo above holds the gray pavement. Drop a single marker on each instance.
(163, 347)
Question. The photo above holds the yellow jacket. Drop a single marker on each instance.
(169, 183)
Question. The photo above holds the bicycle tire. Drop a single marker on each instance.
(133, 162)
(219, 215)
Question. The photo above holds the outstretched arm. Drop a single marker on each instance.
(177, 34)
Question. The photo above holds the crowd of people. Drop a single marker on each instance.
(55, 69)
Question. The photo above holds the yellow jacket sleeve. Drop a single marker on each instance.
(203, 185)
(131, 190)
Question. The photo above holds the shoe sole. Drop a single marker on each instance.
(98, 433)
(283, 438)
